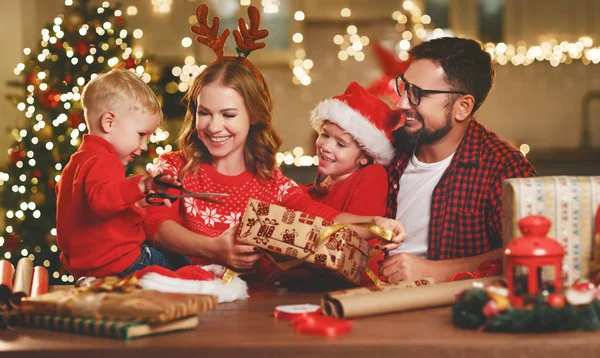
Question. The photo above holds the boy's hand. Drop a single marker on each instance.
(398, 230)
(148, 185)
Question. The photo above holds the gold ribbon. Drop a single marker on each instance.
(113, 284)
(381, 232)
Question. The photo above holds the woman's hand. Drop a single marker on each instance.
(236, 256)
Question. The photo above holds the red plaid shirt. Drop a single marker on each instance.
(466, 204)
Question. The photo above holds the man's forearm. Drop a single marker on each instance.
(447, 268)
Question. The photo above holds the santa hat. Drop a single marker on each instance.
(365, 117)
(193, 279)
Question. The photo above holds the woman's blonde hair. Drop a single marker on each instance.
(262, 141)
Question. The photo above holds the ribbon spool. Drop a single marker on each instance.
(293, 312)
(322, 326)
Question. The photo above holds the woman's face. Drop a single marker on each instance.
(222, 122)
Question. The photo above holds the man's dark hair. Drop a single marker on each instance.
(467, 66)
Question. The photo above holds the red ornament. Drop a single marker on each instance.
(490, 309)
(556, 300)
(120, 21)
(534, 251)
(12, 242)
(129, 63)
(68, 78)
(76, 118)
(36, 173)
(81, 48)
(30, 78)
(49, 98)
(15, 156)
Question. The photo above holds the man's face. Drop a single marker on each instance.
(432, 119)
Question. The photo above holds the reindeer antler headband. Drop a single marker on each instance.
(245, 38)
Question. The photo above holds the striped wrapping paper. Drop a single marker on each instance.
(124, 330)
(570, 202)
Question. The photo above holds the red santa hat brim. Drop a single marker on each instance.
(193, 279)
(369, 137)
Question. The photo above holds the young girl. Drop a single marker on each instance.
(355, 142)
(228, 145)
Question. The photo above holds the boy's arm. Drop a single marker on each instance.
(107, 190)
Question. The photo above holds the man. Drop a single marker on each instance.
(445, 183)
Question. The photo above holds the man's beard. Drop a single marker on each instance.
(423, 136)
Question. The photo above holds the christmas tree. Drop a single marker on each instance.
(82, 42)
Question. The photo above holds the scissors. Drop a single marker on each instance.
(158, 198)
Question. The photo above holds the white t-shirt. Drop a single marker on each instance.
(414, 202)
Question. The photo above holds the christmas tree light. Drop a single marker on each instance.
(80, 43)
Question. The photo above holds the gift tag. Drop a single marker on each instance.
(290, 312)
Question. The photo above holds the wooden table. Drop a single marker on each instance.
(248, 329)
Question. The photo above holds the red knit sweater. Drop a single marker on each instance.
(362, 193)
(212, 220)
(98, 225)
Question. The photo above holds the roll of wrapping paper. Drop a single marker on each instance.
(7, 272)
(39, 282)
(22, 282)
(346, 304)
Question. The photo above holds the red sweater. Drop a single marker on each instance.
(212, 220)
(362, 193)
(98, 225)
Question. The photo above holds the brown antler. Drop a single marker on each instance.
(209, 36)
(246, 41)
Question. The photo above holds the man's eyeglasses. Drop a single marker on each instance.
(415, 93)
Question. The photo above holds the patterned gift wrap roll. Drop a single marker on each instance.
(570, 202)
(298, 237)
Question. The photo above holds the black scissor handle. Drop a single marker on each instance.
(157, 199)
(158, 181)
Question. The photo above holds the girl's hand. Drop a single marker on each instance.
(236, 256)
(396, 227)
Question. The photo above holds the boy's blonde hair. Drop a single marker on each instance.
(118, 88)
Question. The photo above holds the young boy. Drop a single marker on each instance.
(98, 218)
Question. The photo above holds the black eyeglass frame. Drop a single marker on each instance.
(420, 92)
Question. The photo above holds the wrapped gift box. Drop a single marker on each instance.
(296, 237)
(570, 202)
(107, 300)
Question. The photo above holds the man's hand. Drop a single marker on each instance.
(404, 266)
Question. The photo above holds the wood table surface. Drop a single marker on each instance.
(248, 329)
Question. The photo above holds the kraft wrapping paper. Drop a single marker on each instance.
(404, 296)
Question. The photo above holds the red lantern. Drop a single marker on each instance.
(535, 253)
